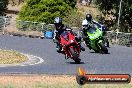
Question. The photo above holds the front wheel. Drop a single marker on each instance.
(75, 56)
(103, 48)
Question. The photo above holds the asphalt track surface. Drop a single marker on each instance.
(119, 59)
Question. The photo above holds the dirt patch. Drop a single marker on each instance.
(29, 81)
(88, 9)
(24, 33)
(11, 28)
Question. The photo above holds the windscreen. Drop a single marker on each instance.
(65, 35)
(92, 30)
(98, 25)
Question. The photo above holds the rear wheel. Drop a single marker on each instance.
(96, 51)
(75, 56)
(103, 48)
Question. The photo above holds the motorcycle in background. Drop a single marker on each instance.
(96, 40)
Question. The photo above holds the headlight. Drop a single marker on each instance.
(91, 36)
(72, 41)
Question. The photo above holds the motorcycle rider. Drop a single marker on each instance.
(103, 28)
(83, 30)
(60, 28)
(95, 23)
(91, 23)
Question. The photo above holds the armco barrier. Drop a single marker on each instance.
(35, 26)
(4, 21)
(119, 38)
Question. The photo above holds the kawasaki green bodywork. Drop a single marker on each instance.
(96, 37)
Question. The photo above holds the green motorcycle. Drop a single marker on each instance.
(96, 40)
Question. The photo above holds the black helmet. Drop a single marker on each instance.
(104, 28)
(58, 22)
(88, 17)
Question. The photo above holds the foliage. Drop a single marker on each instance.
(74, 19)
(126, 18)
(3, 6)
(44, 10)
(111, 7)
(71, 3)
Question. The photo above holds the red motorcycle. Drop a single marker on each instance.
(70, 46)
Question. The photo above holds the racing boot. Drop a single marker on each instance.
(87, 42)
(82, 48)
(58, 48)
(88, 46)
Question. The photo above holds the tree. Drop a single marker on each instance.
(44, 10)
(126, 18)
(71, 3)
(3, 6)
(111, 7)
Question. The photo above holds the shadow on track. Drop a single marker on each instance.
(98, 52)
(75, 63)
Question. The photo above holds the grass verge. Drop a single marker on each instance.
(50, 81)
(11, 57)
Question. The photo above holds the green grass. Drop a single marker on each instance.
(74, 85)
(7, 86)
(11, 57)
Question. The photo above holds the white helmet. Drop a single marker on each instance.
(85, 22)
